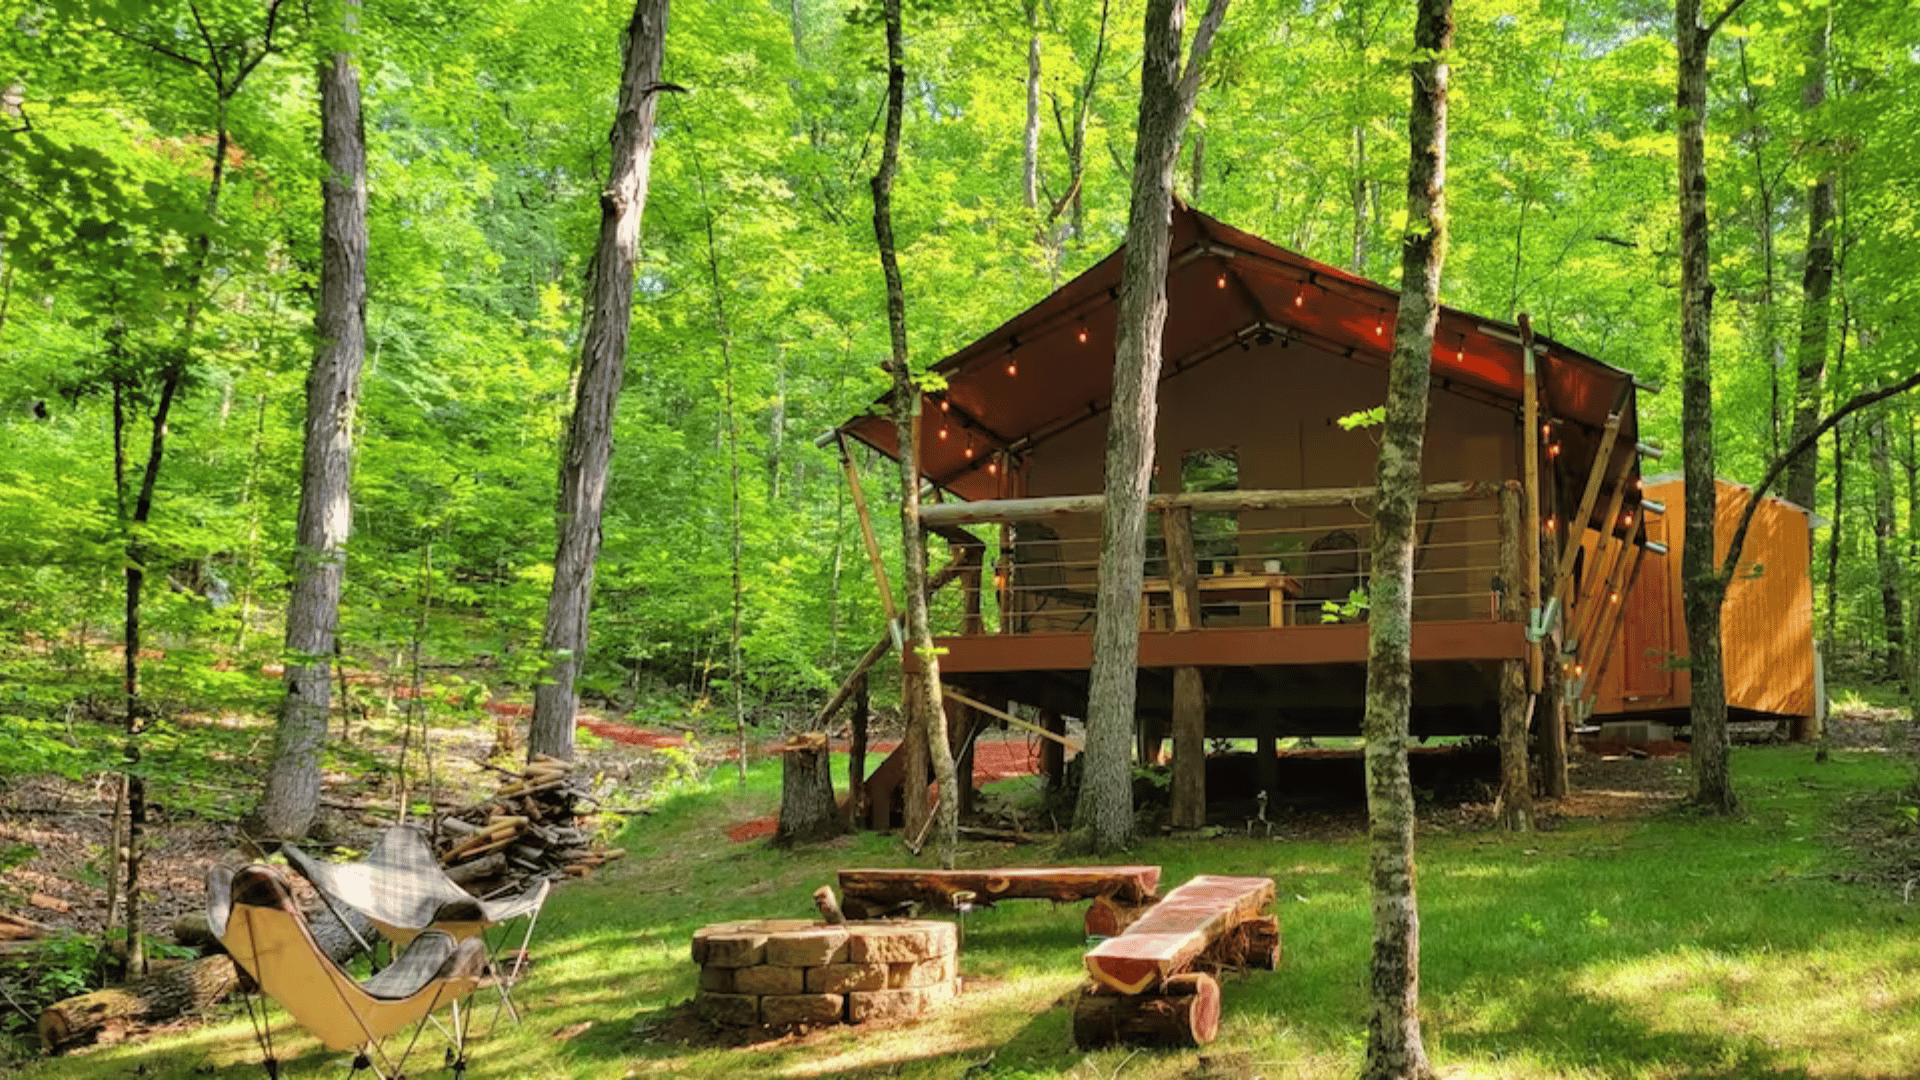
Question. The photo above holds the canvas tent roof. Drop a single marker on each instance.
(1050, 368)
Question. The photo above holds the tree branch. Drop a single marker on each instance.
(1854, 404)
(1721, 19)
(161, 49)
(1197, 54)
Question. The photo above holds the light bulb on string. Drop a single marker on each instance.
(1083, 335)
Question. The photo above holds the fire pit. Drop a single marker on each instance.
(784, 973)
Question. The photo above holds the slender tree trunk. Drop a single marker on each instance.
(1705, 589)
(1104, 815)
(1357, 194)
(292, 792)
(1886, 554)
(1394, 1047)
(1030, 156)
(603, 355)
(1832, 634)
(1816, 281)
(925, 708)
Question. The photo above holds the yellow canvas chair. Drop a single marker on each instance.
(253, 914)
(402, 889)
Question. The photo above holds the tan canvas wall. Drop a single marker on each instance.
(1766, 625)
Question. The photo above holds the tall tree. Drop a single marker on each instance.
(292, 793)
(1886, 551)
(603, 357)
(1704, 590)
(1816, 281)
(1394, 1047)
(1104, 814)
(924, 706)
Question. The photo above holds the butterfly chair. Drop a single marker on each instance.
(401, 888)
(253, 914)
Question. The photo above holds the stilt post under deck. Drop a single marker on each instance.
(1053, 756)
(1266, 762)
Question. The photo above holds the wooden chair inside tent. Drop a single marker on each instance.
(1330, 571)
(253, 914)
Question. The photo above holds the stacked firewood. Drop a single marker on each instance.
(533, 826)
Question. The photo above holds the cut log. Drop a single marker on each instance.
(163, 995)
(884, 889)
(1107, 917)
(1171, 936)
(1184, 1012)
(1254, 944)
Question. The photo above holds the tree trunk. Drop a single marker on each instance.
(1394, 1046)
(1886, 555)
(603, 355)
(292, 792)
(1030, 147)
(1104, 815)
(167, 994)
(808, 811)
(1182, 1014)
(1704, 589)
(1803, 476)
(1516, 786)
(925, 708)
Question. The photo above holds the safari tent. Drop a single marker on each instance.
(1262, 497)
(1766, 627)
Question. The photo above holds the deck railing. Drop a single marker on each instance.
(1219, 559)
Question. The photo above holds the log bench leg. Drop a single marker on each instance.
(1183, 1012)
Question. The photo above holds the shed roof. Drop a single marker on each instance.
(1050, 367)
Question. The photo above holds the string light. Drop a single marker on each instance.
(1379, 327)
(1613, 598)
(969, 446)
(1627, 519)
(945, 404)
(993, 467)
(1300, 297)
(943, 433)
(1553, 450)
(1550, 525)
(1460, 354)
(1013, 366)
(1221, 281)
(1083, 335)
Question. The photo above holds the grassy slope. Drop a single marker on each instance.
(1663, 948)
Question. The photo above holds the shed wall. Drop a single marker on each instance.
(1766, 624)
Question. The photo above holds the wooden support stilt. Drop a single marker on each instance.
(857, 755)
(1266, 764)
(1053, 751)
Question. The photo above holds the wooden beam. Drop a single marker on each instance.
(1609, 623)
(1039, 509)
(847, 689)
(866, 532)
(1577, 524)
(1009, 718)
(1530, 493)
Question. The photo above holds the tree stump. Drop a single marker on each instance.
(808, 811)
(1183, 1012)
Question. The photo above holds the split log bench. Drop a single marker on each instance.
(1154, 983)
(1118, 892)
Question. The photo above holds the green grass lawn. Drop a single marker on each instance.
(1667, 947)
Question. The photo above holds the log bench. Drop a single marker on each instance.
(1154, 983)
(1118, 891)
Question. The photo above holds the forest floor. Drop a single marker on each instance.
(67, 823)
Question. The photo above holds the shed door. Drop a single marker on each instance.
(1647, 633)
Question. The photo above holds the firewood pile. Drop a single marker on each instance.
(535, 825)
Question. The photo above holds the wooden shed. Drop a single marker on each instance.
(1262, 499)
(1766, 627)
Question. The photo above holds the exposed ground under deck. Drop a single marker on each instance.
(1292, 680)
